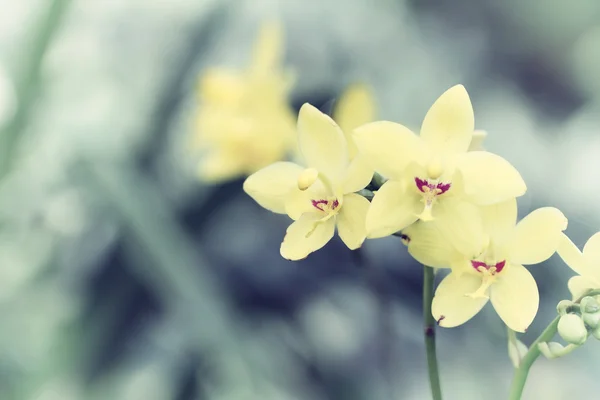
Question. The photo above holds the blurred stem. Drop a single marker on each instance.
(521, 373)
(27, 82)
(379, 286)
(179, 275)
(429, 331)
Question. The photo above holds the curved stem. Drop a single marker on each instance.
(429, 331)
(520, 377)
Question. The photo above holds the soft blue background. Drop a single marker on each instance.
(123, 277)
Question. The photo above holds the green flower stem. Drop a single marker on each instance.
(429, 331)
(518, 384)
(27, 80)
(521, 373)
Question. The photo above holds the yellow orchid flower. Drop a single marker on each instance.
(245, 121)
(495, 270)
(355, 107)
(586, 264)
(319, 196)
(432, 177)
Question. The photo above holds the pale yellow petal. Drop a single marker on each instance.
(537, 236)
(220, 166)
(591, 255)
(499, 220)
(449, 123)
(358, 175)
(392, 209)
(580, 285)
(268, 49)
(271, 185)
(515, 297)
(355, 107)
(429, 247)
(572, 256)
(489, 178)
(451, 305)
(322, 143)
(388, 147)
(351, 220)
(460, 223)
(304, 237)
(477, 140)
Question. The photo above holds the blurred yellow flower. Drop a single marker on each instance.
(319, 197)
(586, 264)
(355, 107)
(434, 169)
(245, 122)
(495, 270)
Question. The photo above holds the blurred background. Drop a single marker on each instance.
(124, 276)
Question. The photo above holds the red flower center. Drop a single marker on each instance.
(494, 269)
(437, 188)
(322, 204)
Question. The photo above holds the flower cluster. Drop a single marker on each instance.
(452, 203)
(244, 121)
(455, 207)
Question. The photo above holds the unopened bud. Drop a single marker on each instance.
(572, 329)
(307, 178)
(561, 307)
(596, 332)
(551, 350)
(589, 305)
(516, 351)
(591, 320)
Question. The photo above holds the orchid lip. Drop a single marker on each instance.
(320, 204)
(480, 266)
(426, 186)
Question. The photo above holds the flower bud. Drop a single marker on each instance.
(561, 307)
(596, 332)
(591, 320)
(307, 178)
(572, 329)
(516, 351)
(551, 350)
(589, 305)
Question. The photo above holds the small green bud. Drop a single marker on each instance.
(572, 329)
(596, 332)
(561, 307)
(551, 350)
(591, 320)
(516, 351)
(589, 305)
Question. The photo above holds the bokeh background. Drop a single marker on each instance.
(123, 276)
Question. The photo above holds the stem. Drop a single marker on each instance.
(177, 272)
(520, 377)
(379, 285)
(432, 365)
(27, 81)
